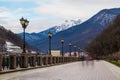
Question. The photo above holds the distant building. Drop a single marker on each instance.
(10, 47)
(55, 52)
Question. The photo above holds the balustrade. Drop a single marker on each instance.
(19, 61)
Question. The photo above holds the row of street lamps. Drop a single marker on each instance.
(25, 22)
(62, 42)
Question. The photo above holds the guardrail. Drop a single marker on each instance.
(16, 62)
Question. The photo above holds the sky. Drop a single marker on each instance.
(43, 14)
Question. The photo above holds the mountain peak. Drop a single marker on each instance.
(41, 35)
(80, 34)
(67, 24)
(105, 16)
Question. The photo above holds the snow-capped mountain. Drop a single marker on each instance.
(30, 37)
(82, 34)
(105, 16)
(67, 24)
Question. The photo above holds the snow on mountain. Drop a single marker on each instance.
(81, 35)
(67, 24)
(105, 16)
(30, 37)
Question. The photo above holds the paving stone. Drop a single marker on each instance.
(83, 70)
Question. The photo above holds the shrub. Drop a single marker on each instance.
(114, 62)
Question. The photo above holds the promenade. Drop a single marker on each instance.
(82, 70)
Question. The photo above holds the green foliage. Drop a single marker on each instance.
(108, 41)
(114, 62)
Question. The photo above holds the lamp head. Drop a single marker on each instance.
(75, 46)
(49, 34)
(24, 22)
(62, 40)
(70, 44)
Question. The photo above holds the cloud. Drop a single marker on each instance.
(15, 0)
(10, 19)
(37, 25)
(47, 13)
(59, 10)
(75, 8)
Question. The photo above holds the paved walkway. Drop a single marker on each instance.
(97, 70)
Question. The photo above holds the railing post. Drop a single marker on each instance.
(71, 59)
(57, 59)
(39, 60)
(33, 60)
(62, 59)
(50, 60)
(45, 60)
(17, 61)
(65, 59)
(12, 61)
(24, 60)
(1, 59)
(54, 60)
(68, 59)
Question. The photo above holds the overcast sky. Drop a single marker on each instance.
(44, 14)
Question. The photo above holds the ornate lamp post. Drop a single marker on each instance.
(62, 41)
(79, 51)
(24, 23)
(50, 36)
(75, 51)
(70, 48)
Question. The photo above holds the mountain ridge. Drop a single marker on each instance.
(108, 42)
(30, 37)
(82, 33)
(7, 35)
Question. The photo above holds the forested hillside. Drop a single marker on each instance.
(7, 35)
(80, 35)
(108, 41)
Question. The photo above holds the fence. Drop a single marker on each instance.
(26, 61)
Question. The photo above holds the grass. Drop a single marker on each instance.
(114, 62)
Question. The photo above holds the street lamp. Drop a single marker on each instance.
(62, 41)
(79, 51)
(24, 23)
(70, 48)
(75, 50)
(50, 36)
